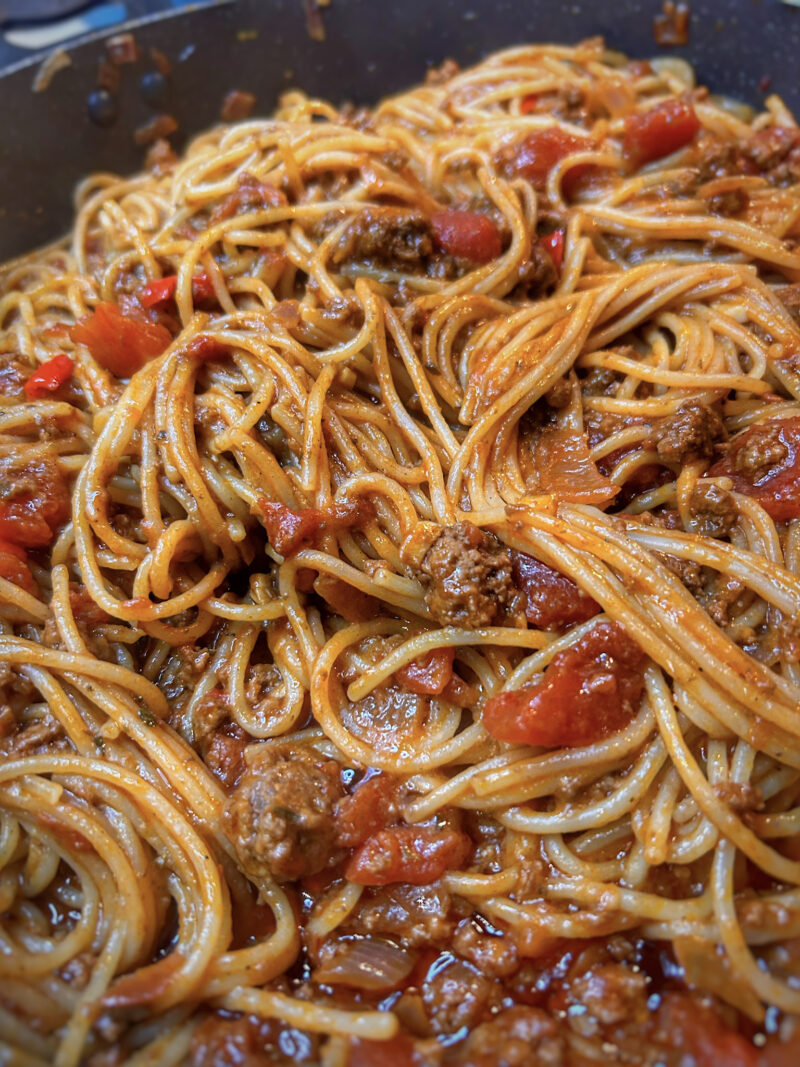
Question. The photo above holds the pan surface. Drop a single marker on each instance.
(743, 48)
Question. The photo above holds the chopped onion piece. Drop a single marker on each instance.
(364, 963)
(675, 67)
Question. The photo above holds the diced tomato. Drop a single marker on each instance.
(565, 468)
(588, 691)
(120, 344)
(398, 1051)
(658, 132)
(289, 530)
(34, 500)
(414, 854)
(699, 1033)
(554, 243)
(764, 463)
(428, 674)
(14, 566)
(49, 377)
(368, 809)
(159, 291)
(528, 103)
(552, 599)
(467, 235)
(163, 289)
(543, 149)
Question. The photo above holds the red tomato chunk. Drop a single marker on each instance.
(413, 854)
(289, 530)
(658, 132)
(764, 463)
(120, 344)
(34, 501)
(467, 235)
(430, 674)
(554, 243)
(553, 601)
(163, 289)
(14, 566)
(159, 291)
(544, 149)
(49, 377)
(588, 691)
(368, 809)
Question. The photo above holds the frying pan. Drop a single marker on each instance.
(371, 48)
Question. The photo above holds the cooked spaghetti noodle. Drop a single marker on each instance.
(399, 586)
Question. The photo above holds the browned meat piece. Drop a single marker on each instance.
(469, 579)
(610, 994)
(250, 194)
(457, 995)
(537, 275)
(722, 600)
(688, 434)
(247, 1041)
(223, 752)
(410, 914)
(559, 394)
(761, 452)
(789, 296)
(774, 152)
(731, 202)
(714, 510)
(280, 816)
(570, 105)
(392, 235)
(714, 158)
(517, 1037)
(690, 573)
(493, 954)
(600, 381)
(36, 736)
(12, 375)
(770, 146)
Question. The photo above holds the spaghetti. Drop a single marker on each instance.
(399, 556)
